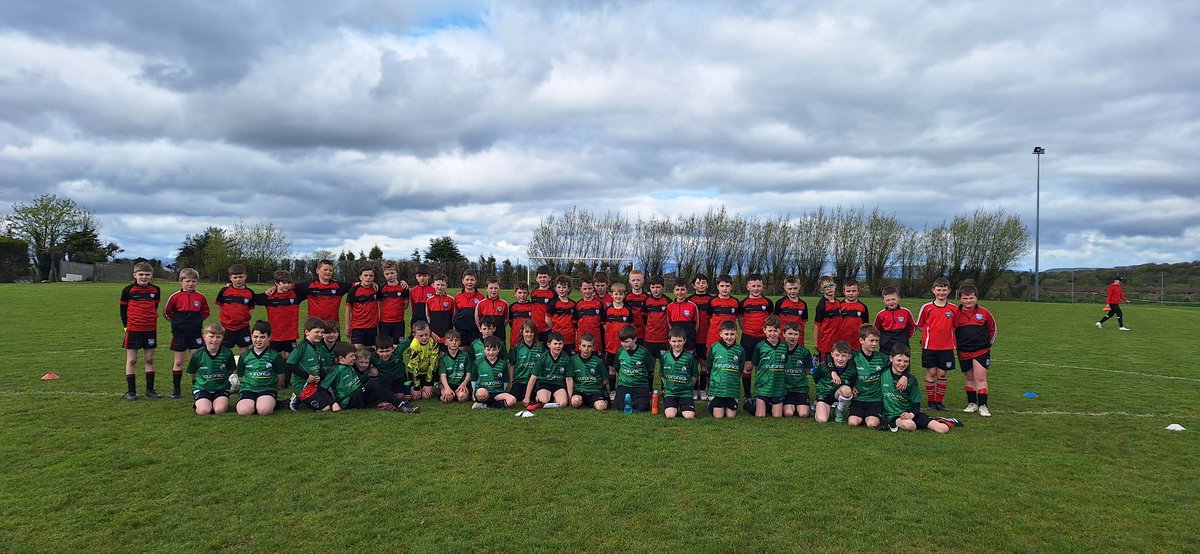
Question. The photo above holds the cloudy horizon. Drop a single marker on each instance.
(367, 123)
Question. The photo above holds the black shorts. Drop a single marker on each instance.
(830, 398)
(209, 395)
(400, 386)
(590, 398)
(656, 348)
(136, 340)
(919, 418)
(247, 395)
(320, 400)
(282, 346)
(726, 402)
(796, 398)
(365, 337)
(241, 338)
(185, 342)
(639, 397)
(984, 360)
(422, 381)
(941, 359)
(518, 390)
(749, 344)
(394, 330)
(681, 403)
(770, 400)
(553, 388)
(866, 409)
(701, 351)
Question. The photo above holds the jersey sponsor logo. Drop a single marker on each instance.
(195, 303)
(979, 317)
(499, 309)
(900, 319)
(948, 315)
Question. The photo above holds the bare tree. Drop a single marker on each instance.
(612, 241)
(990, 243)
(848, 240)
(881, 237)
(811, 247)
(263, 245)
(777, 248)
(908, 253)
(688, 244)
(652, 244)
(754, 236)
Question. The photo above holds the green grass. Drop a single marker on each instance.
(1085, 467)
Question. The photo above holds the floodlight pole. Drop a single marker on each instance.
(1037, 227)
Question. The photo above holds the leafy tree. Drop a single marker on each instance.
(376, 253)
(211, 253)
(84, 246)
(416, 255)
(444, 250)
(14, 259)
(263, 245)
(45, 223)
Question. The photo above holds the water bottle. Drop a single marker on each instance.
(655, 401)
(628, 403)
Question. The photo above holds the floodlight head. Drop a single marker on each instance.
(1039, 150)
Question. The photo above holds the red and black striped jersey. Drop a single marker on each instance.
(562, 316)
(614, 319)
(236, 306)
(465, 303)
(587, 319)
(186, 310)
(393, 299)
(974, 331)
(657, 326)
(139, 307)
(899, 320)
(826, 316)
(541, 298)
(854, 315)
(701, 301)
(608, 300)
(494, 311)
(937, 326)
(324, 299)
(754, 313)
(419, 296)
(283, 313)
(721, 310)
(439, 312)
(518, 313)
(684, 315)
(637, 303)
(363, 303)
(793, 311)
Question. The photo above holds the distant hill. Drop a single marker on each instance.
(1179, 282)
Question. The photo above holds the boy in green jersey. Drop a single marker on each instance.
(261, 371)
(420, 357)
(525, 356)
(588, 376)
(795, 371)
(549, 380)
(869, 365)
(305, 361)
(680, 371)
(635, 367)
(491, 376)
(769, 362)
(389, 365)
(454, 369)
(902, 408)
(833, 379)
(332, 336)
(487, 328)
(210, 369)
(725, 359)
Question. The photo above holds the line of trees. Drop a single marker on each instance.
(47, 230)
(871, 246)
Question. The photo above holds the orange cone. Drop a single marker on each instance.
(50, 377)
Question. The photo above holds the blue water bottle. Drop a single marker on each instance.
(628, 403)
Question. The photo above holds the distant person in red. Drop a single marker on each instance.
(1115, 298)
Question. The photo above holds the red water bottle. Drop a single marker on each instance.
(655, 400)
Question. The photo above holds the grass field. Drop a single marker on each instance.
(1085, 467)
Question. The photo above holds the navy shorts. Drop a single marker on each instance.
(209, 394)
(796, 398)
(590, 398)
(185, 342)
(136, 340)
(283, 346)
(866, 409)
(247, 395)
(770, 400)
(726, 402)
(919, 418)
(750, 343)
(681, 403)
(984, 359)
(365, 337)
(941, 359)
(241, 338)
(550, 387)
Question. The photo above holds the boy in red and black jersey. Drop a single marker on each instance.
(755, 309)
(854, 313)
(827, 315)
(324, 295)
(657, 326)
(283, 314)
(974, 333)
(493, 309)
(237, 304)
(439, 309)
(542, 297)
(421, 294)
(519, 312)
(895, 322)
(561, 314)
(588, 311)
(635, 299)
(186, 309)
(393, 299)
(466, 302)
(722, 308)
(684, 314)
(615, 318)
(936, 322)
(701, 299)
(791, 308)
(600, 283)
(139, 318)
(362, 309)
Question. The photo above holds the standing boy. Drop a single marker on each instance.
(936, 322)
(186, 309)
(237, 304)
(636, 300)
(393, 299)
(684, 314)
(1114, 300)
(827, 316)
(701, 299)
(421, 294)
(542, 297)
(589, 313)
(560, 315)
(139, 318)
(854, 313)
(439, 309)
(791, 308)
(362, 309)
(974, 333)
(324, 295)
(519, 312)
(755, 309)
(283, 312)
(895, 323)
(616, 317)
(492, 309)
(657, 326)
(466, 303)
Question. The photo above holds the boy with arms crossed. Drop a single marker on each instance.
(725, 360)
(895, 323)
(439, 309)
(684, 314)
(186, 309)
(588, 375)
(421, 294)
(589, 313)
(974, 332)
(492, 309)
(139, 318)
(936, 322)
(655, 307)
(791, 308)
(679, 373)
(519, 312)
(854, 314)
(466, 304)
(210, 369)
(636, 300)
(260, 370)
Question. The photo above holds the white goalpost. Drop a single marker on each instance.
(529, 268)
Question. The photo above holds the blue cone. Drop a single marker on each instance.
(1031, 395)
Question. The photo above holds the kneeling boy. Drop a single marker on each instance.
(210, 369)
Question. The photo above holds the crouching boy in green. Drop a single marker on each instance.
(903, 408)
(490, 376)
(261, 370)
(210, 368)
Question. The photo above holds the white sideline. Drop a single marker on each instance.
(1192, 379)
(1089, 414)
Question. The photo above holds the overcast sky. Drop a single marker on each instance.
(352, 124)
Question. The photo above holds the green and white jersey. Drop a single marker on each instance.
(589, 375)
(554, 371)
(210, 372)
(328, 358)
(725, 370)
(634, 369)
(823, 377)
(307, 358)
(525, 359)
(769, 363)
(456, 368)
(679, 373)
(492, 376)
(421, 360)
(342, 382)
(392, 367)
(868, 370)
(796, 369)
(260, 372)
(896, 402)
(477, 350)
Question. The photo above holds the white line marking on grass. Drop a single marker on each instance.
(1089, 414)
(43, 353)
(1193, 379)
(58, 393)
